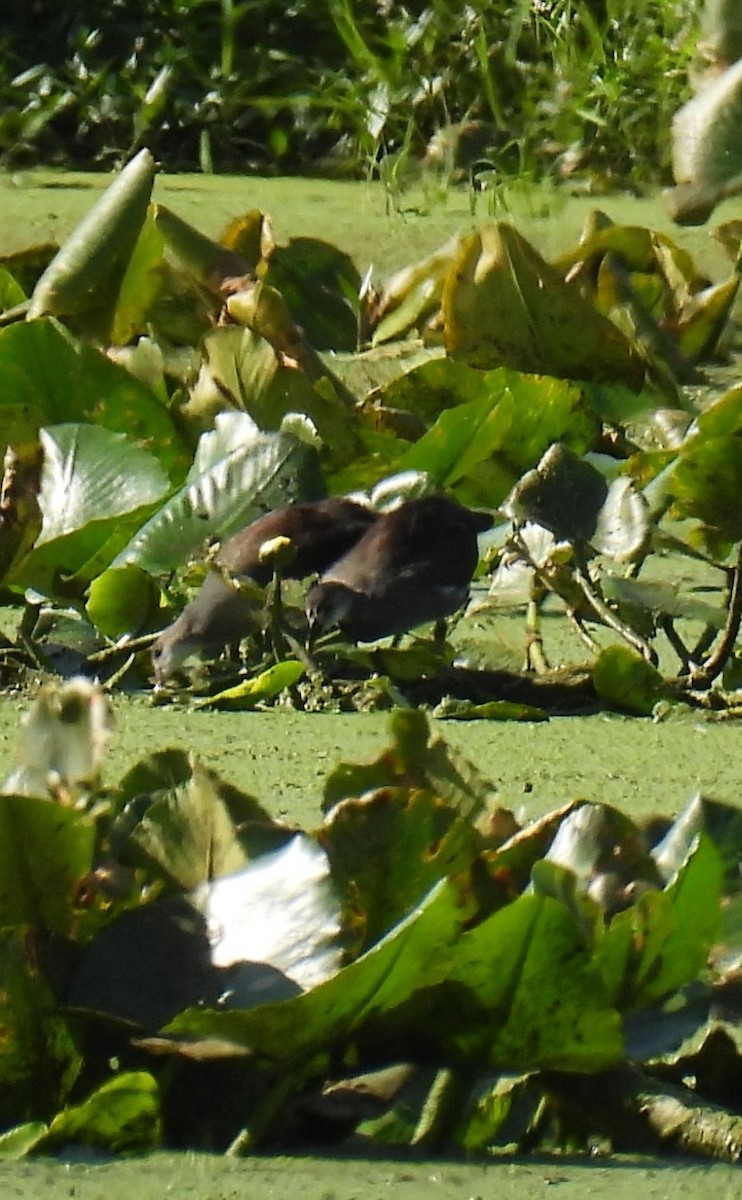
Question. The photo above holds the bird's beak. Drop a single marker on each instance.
(314, 630)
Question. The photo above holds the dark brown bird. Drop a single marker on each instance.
(319, 531)
(412, 566)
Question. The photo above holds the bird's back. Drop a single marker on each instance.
(430, 541)
(412, 567)
(321, 531)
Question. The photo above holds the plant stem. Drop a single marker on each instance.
(704, 676)
(582, 579)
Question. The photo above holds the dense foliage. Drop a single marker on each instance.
(179, 968)
(562, 86)
(554, 395)
(418, 968)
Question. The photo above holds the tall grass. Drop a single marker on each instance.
(563, 86)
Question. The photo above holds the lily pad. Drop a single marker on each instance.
(627, 681)
(504, 304)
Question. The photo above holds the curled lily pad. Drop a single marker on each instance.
(502, 303)
(564, 493)
(662, 941)
(240, 370)
(321, 285)
(122, 1116)
(703, 319)
(208, 261)
(624, 526)
(48, 377)
(409, 296)
(84, 278)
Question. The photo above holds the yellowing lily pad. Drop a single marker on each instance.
(504, 304)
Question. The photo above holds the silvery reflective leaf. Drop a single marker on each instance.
(245, 473)
(282, 909)
(624, 523)
(62, 740)
(578, 841)
(398, 489)
(232, 431)
(513, 579)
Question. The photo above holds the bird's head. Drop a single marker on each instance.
(328, 605)
(171, 651)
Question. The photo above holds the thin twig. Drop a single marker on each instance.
(582, 579)
(127, 646)
(704, 643)
(581, 631)
(118, 675)
(704, 675)
(536, 659)
(667, 626)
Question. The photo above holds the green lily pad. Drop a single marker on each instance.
(624, 679)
